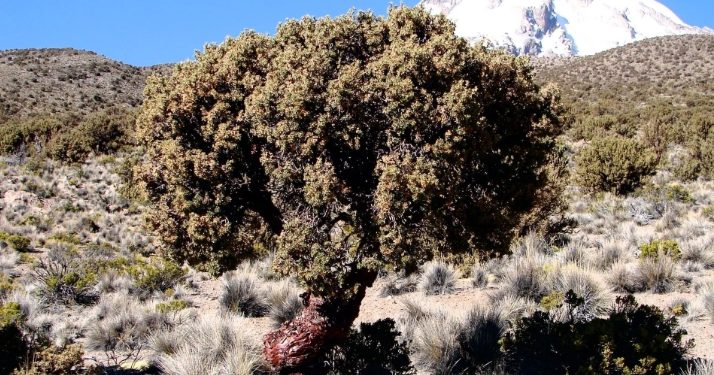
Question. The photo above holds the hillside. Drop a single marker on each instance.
(667, 79)
(42, 81)
(663, 67)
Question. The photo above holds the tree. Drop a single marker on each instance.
(615, 164)
(346, 145)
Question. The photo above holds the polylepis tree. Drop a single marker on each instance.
(347, 146)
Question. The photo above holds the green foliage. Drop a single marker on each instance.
(348, 145)
(632, 340)
(7, 285)
(16, 241)
(172, 306)
(53, 360)
(66, 277)
(614, 164)
(155, 274)
(12, 345)
(68, 137)
(373, 349)
(68, 238)
(657, 248)
(552, 300)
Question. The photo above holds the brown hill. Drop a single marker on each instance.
(55, 81)
(678, 70)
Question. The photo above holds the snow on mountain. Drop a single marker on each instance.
(560, 27)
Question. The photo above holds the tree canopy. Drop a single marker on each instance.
(347, 145)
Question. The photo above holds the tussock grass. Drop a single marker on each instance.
(214, 344)
(437, 278)
(242, 292)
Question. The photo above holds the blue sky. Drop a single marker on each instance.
(146, 32)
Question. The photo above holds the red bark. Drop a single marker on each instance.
(298, 343)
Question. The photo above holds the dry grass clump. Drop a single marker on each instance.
(596, 297)
(242, 292)
(525, 278)
(622, 278)
(656, 274)
(283, 300)
(121, 325)
(214, 344)
(395, 285)
(700, 367)
(437, 278)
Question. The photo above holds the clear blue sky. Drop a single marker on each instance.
(146, 32)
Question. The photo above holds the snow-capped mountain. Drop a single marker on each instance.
(560, 27)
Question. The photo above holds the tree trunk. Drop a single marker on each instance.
(298, 343)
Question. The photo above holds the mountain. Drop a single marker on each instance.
(54, 81)
(560, 27)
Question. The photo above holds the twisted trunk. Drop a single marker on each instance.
(297, 344)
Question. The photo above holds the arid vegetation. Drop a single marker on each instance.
(301, 171)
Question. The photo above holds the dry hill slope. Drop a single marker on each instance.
(42, 81)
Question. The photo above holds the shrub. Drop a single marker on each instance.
(171, 306)
(16, 241)
(632, 339)
(437, 278)
(373, 349)
(614, 164)
(53, 360)
(657, 248)
(65, 278)
(68, 137)
(155, 274)
(433, 146)
(12, 344)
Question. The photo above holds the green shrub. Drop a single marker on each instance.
(631, 340)
(16, 241)
(7, 285)
(614, 164)
(655, 248)
(373, 349)
(172, 306)
(53, 360)
(155, 274)
(12, 344)
(98, 133)
(66, 277)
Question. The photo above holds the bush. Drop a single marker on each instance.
(12, 344)
(65, 278)
(16, 241)
(53, 360)
(155, 274)
(373, 349)
(68, 137)
(657, 248)
(632, 339)
(613, 164)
